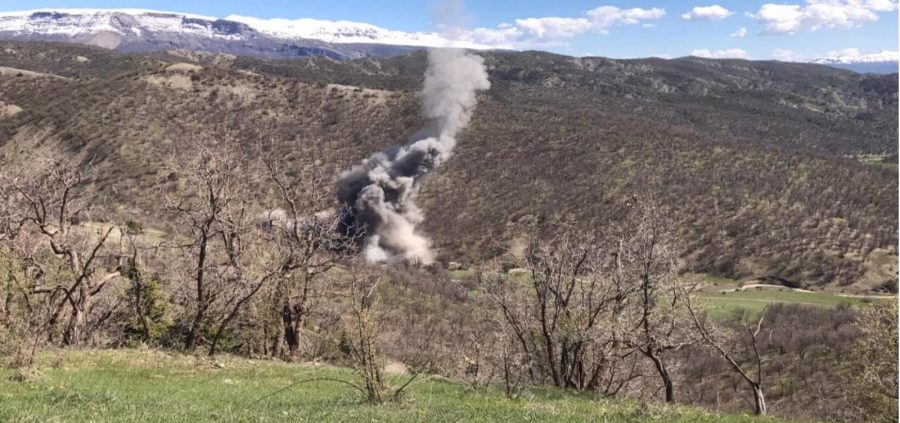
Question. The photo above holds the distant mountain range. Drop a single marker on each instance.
(881, 62)
(139, 30)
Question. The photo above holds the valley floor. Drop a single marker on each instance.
(157, 386)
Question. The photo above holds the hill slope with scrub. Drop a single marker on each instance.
(771, 170)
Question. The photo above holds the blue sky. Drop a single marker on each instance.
(782, 29)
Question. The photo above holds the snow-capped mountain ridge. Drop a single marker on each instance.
(139, 22)
(126, 22)
(90, 11)
(142, 30)
(885, 61)
(851, 58)
(345, 32)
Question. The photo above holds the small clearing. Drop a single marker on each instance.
(177, 81)
(8, 110)
(374, 97)
(177, 76)
(7, 71)
(184, 67)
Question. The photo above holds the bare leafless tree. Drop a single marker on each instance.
(659, 318)
(202, 186)
(47, 198)
(133, 268)
(362, 326)
(307, 228)
(23, 314)
(722, 339)
(873, 384)
(565, 315)
(236, 246)
(481, 357)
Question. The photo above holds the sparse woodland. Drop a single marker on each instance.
(604, 311)
(758, 166)
(203, 220)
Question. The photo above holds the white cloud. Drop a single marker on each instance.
(851, 53)
(499, 37)
(605, 17)
(553, 31)
(707, 13)
(847, 52)
(731, 53)
(553, 27)
(785, 55)
(882, 5)
(820, 14)
(740, 33)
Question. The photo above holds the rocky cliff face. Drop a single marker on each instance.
(131, 30)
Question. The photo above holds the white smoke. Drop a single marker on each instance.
(380, 194)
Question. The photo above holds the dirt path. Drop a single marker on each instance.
(780, 287)
(867, 296)
(765, 285)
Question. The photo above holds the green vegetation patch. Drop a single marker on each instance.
(724, 304)
(153, 386)
(880, 160)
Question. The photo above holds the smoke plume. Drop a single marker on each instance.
(379, 194)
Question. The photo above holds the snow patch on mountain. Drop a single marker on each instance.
(853, 56)
(89, 21)
(138, 22)
(347, 32)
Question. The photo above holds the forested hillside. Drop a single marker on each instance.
(771, 170)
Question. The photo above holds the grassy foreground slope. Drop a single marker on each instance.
(153, 386)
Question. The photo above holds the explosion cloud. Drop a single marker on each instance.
(379, 194)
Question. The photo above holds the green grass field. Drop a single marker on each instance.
(155, 386)
(754, 300)
(724, 304)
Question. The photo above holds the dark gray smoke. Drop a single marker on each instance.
(379, 195)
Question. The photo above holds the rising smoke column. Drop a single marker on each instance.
(379, 195)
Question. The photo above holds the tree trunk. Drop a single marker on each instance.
(72, 335)
(663, 374)
(138, 288)
(54, 318)
(215, 341)
(221, 330)
(759, 401)
(670, 388)
(191, 342)
(277, 343)
(292, 319)
(80, 305)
